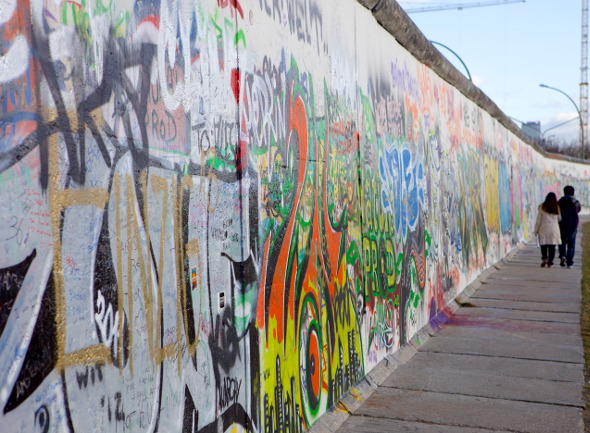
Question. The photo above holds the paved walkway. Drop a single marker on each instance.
(509, 360)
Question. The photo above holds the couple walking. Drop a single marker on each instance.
(557, 224)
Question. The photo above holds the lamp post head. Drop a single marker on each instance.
(582, 142)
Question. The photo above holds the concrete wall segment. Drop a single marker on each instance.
(369, 4)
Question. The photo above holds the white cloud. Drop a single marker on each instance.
(562, 125)
(477, 80)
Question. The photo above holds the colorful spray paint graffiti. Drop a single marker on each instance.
(200, 234)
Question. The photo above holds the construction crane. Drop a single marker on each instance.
(461, 6)
(584, 80)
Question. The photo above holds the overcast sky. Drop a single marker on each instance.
(510, 49)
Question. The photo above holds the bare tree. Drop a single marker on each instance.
(553, 144)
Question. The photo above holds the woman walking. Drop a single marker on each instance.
(547, 228)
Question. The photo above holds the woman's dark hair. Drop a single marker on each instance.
(550, 204)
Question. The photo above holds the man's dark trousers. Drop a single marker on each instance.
(567, 248)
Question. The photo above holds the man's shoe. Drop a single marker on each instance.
(562, 262)
(569, 267)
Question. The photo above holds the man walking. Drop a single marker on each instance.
(568, 226)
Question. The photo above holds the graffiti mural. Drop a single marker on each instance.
(218, 217)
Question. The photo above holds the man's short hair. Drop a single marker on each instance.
(569, 190)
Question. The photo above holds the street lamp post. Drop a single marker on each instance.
(556, 126)
(457, 56)
(582, 143)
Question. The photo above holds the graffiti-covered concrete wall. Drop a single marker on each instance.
(221, 215)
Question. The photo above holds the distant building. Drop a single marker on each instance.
(532, 130)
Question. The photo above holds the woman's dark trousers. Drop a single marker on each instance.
(548, 253)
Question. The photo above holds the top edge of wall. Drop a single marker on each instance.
(390, 15)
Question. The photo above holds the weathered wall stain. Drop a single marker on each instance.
(220, 216)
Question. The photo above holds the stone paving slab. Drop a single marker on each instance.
(524, 253)
(535, 278)
(551, 277)
(538, 294)
(510, 293)
(524, 349)
(515, 326)
(511, 271)
(565, 307)
(516, 333)
(521, 285)
(381, 425)
(536, 284)
(511, 314)
(528, 258)
(473, 412)
(482, 383)
(509, 367)
(534, 272)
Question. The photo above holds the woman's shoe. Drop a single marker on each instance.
(544, 263)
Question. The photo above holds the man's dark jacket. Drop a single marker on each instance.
(569, 207)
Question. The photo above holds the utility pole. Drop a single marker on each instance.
(584, 80)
